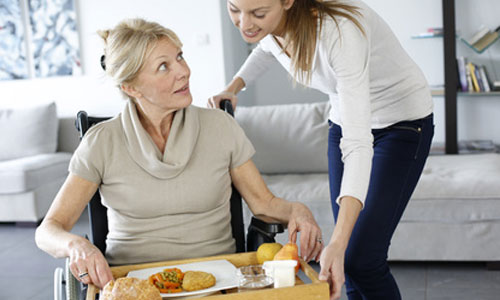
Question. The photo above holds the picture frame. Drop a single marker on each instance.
(38, 39)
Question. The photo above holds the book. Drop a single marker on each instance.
(483, 30)
(472, 70)
(468, 147)
(462, 73)
(484, 79)
(438, 30)
(427, 35)
(431, 32)
(476, 146)
(484, 42)
(496, 85)
(470, 86)
(478, 78)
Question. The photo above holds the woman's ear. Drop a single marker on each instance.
(287, 4)
(130, 90)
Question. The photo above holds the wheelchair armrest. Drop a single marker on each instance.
(267, 227)
(260, 232)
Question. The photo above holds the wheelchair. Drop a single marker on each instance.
(67, 287)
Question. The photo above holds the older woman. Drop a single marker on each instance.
(163, 168)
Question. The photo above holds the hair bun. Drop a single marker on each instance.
(104, 34)
(103, 62)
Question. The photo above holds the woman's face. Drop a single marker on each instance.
(257, 18)
(163, 81)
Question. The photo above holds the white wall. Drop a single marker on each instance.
(477, 116)
(214, 63)
(197, 22)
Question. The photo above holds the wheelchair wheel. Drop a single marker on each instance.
(73, 286)
(58, 284)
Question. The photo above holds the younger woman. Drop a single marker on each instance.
(381, 122)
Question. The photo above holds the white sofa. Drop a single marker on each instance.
(31, 167)
(454, 213)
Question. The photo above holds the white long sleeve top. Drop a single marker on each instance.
(371, 82)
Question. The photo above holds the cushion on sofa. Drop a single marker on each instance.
(457, 189)
(473, 176)
(27, 173)
(275, 131)
(28, 131)
(29, 206)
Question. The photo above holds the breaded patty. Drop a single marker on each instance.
(197, 280)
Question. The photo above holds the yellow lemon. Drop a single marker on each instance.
(267, 251)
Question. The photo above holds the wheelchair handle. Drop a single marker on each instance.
(226, 106)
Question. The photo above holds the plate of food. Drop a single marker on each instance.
(189, 280)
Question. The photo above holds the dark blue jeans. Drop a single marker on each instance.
(400, 152)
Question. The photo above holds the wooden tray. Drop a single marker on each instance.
(314, 290)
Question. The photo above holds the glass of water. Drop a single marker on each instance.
(253, 277)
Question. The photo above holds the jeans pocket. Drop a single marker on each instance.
(407, 136)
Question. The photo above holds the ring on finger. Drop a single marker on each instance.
(83, 275)
(319, 240)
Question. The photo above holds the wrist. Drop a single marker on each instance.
(76, 241)
(339, 243)
(236, 85)
(298, 209)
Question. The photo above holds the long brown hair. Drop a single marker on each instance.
(301, 30)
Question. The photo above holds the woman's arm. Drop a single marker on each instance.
(255, 65)
(332, 258)
(267, 207)
(229, 93)
(53, 235)
(235, 86)
(350, 208)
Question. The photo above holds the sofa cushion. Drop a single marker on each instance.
(289, 138)
(27, 173)
(455, 177)
(28, 131)
(457, 189)
(30, 206)
(453, 189)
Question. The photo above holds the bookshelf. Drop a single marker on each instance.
(450, 91)
(450, 77)
(440, 92)
(483, 49)
(420, 37)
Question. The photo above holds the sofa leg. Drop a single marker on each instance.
(493, 265)
(28, 224)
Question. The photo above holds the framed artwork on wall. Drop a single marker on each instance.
(13, 64)
(38, 38)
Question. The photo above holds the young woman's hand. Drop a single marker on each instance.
(88, 264)
(332, 269)
(301, 220)
(213, 102)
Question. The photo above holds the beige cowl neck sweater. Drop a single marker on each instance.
(180, 143)
(164, 206)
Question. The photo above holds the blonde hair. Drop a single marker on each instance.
(301, 30)
(128, 45)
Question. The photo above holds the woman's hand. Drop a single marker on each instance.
(214, 101)
(229, 93)
(269, 208)
(301, 220)
(332, 269)
(88, 264)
